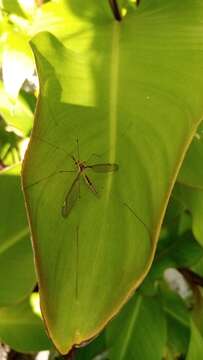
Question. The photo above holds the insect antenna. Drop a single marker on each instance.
(78, 149)
(77, 262)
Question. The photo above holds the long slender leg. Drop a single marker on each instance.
(138, 218)
(77, 262)
(79, 190)
(49, 176)
(90, 185)
(54, 146)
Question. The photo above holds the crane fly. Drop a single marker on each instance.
(81, 167)
(74, 191)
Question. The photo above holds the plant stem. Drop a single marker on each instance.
(191, 276)
(115, 9)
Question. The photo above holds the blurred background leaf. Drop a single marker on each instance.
(182, 233)
(17, 275)
(21, 329)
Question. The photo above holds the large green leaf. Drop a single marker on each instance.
(54, 16)
(21, 329)
(191, 173)
(196, 344)
(190, 184)
(95, 350)
(140, 327)
(178, 321)
(193, 200)
(12, 6)
(17, 275)
(181, 251)
(18, 115)
(129, 99)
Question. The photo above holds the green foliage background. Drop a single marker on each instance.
(131, 92)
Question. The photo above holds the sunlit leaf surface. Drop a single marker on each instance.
(128, 99)
(17, 63)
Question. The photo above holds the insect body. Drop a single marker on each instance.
(74, 191)
(81, 167)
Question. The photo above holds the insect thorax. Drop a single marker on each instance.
(81, 165)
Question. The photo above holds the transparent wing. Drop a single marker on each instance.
(71, 197)
(104, 168)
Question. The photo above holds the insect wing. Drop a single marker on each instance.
(71, 197)
(103, 168)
